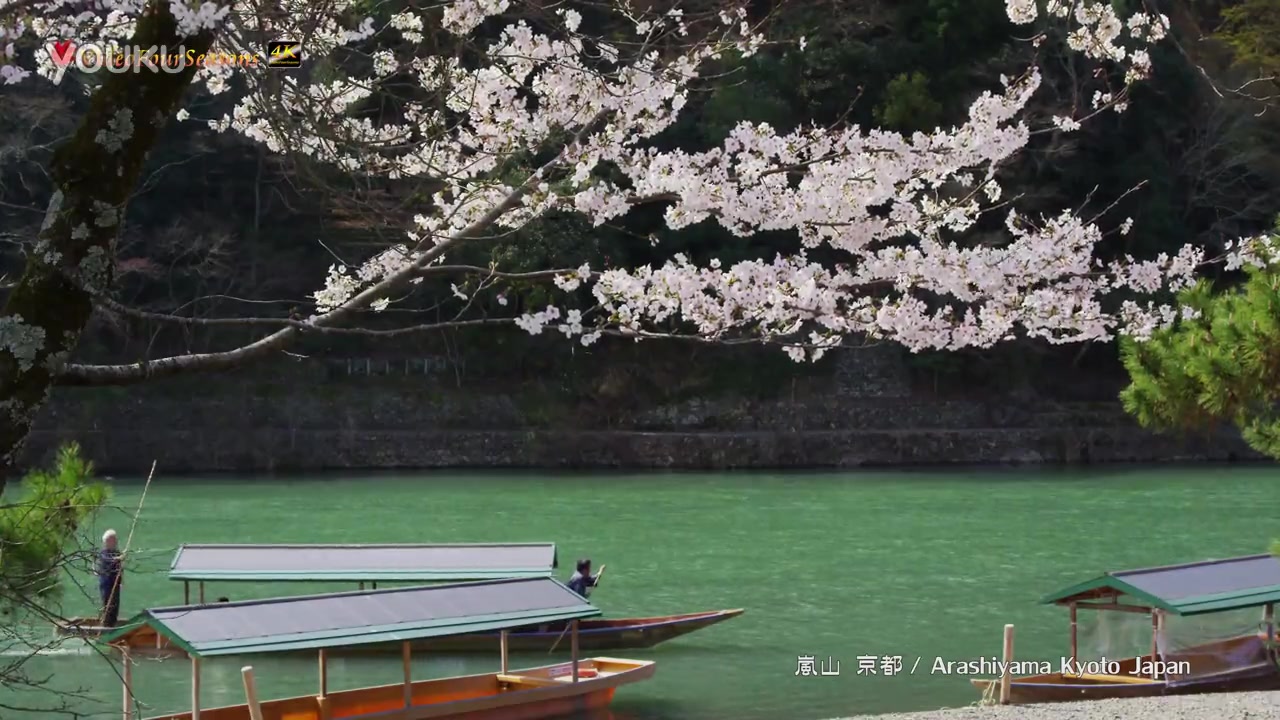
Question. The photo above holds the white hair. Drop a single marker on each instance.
(108, 536)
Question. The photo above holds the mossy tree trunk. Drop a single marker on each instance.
(94, 174)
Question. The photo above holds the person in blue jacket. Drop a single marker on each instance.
(582, 580)
(110, 575)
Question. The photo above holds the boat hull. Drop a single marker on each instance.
(1066, 688)
(593, 636)
(1260, 673)
(519, 695)
(144, 642)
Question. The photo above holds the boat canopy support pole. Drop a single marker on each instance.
(195, 688)
(1155, 643)
(502, 641)
(1006, 676)
(251, 693)
(126, 674)
(201, 592)
(573, 647)
(324, 673)
(1269, 619)
(405, 654)
(1074, 633)
(361, 584)
(186, 592)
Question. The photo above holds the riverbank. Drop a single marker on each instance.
(1218, 706)
(863, 411)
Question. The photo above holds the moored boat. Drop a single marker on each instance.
(373, 564)
(1180, 600)
(325, 623)
(195, 564)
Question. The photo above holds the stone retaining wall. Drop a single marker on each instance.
(863, 414)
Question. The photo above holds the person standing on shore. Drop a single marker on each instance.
(110, 575)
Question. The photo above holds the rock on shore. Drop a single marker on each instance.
(1218, 706)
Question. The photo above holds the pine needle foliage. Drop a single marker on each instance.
(1222, 366)
(41, 523)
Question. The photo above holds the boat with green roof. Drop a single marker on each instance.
(1208, 626)
(321, 624)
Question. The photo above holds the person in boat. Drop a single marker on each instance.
(110, 576)
(582, 580)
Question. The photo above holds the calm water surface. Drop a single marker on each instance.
(831, 565)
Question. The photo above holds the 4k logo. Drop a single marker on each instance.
(284, 54)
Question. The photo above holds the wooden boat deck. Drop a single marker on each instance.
(520, 695)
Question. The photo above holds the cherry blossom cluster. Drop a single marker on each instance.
(896, 207)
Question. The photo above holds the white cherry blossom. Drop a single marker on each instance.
(895, 208)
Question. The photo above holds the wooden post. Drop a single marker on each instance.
(1155, 643)
(1074, 634)
(502, 642)
(251, 693)
(195, 688)
(408, 674)
(1007, 675)
(126, 672)
(324, 673)
(573, 647)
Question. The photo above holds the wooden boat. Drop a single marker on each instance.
(1239, 663)
(523, 695)
(195, 564)
(89, 629)
(322, 623)
(1128, 680)
(201, 563)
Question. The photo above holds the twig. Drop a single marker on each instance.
(115, 587)
(134, 525)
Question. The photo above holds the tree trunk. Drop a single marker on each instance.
(94, 175)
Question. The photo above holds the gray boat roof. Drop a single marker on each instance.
(361, 563)
(312, 622)
(1195, 588)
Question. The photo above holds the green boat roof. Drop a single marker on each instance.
(312, 622)
(1195, 588)
(363, 563)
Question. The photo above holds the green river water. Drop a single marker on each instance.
(911, 564)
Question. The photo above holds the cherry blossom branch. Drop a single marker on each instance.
(302, 326)
(489, 275)
(79, 374)
(896, 211)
